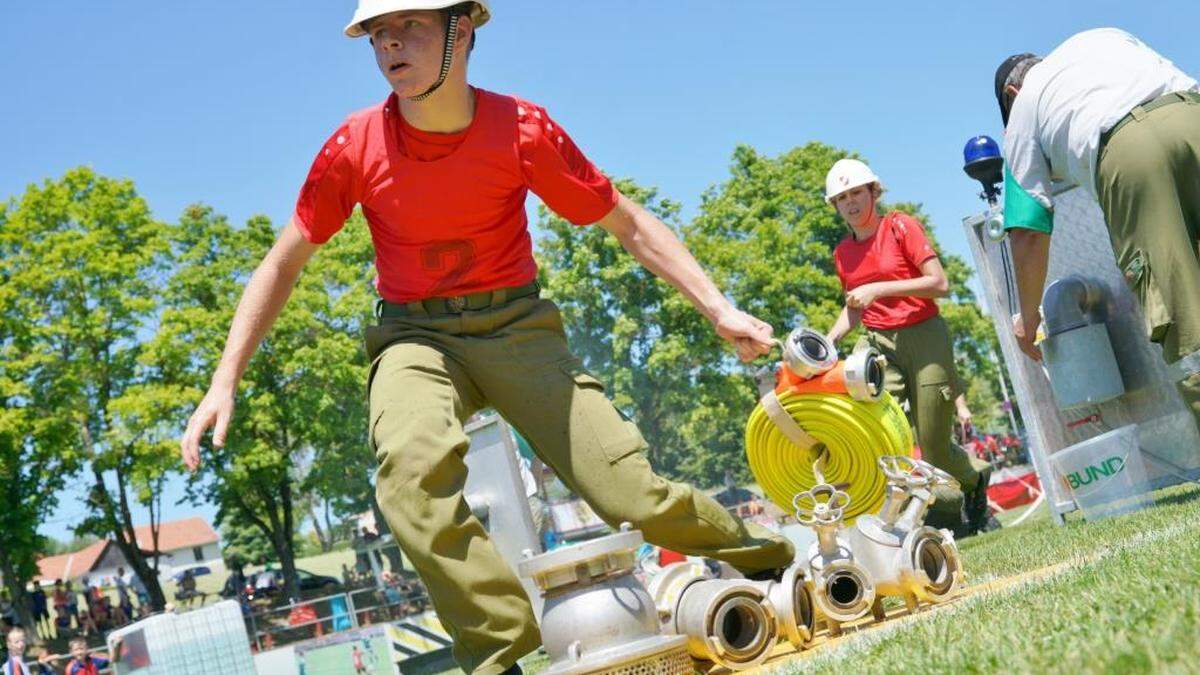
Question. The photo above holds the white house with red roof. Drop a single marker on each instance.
(190, 542)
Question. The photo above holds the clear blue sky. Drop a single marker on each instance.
(226, 102)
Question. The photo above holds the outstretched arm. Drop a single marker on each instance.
(847, 321)
(657, 248)
(264, 297)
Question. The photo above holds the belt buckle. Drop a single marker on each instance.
(456, 304)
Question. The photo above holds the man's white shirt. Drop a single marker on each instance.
(1079, 91)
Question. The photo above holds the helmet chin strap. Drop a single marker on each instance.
(447, 58)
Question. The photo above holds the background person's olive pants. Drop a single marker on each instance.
(1148, 179)
(920, 370)
(428, 374)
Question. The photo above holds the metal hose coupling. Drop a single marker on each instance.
(791, 598)
(904, 557)
(596, 615)
(808, 353)
(864, 372)
(727, 621)
(843, 590)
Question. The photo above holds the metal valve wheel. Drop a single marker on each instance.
(828, 504)
(907, 472)
(937, 476)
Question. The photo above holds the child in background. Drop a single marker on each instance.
(16, 663)
(83, 663)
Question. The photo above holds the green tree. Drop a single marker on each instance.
(301, 395)
(82, 255)
(244, 544)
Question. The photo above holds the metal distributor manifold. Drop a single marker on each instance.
(905, 557)
(596, 616)
(730, 622)
(843, 590)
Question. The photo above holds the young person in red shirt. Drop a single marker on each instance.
(83, 663)
(441, 170)
(891, 275)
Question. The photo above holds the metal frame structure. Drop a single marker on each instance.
(1081, 245)
(496, 494)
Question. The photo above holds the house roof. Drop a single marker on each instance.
(72, 565)
(173, 535)
(177, 534)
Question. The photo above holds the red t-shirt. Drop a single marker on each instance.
(895, 251)
(455, 224)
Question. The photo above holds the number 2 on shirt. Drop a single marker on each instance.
(455, 256)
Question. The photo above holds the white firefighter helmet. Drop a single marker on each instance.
(848, 174)
(369, 9)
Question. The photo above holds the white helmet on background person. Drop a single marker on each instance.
(369, 9)
(847, 174)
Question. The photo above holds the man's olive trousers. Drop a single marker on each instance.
(1148, 180)
(921, 372)
(428, 375)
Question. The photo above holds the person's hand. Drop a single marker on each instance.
(214, 411)
(862, 297)
(963, 413)
(1026, 332)
(749, 336)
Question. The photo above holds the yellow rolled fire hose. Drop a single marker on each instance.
(849, 436)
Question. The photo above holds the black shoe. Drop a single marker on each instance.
(976, 513)
(514, 669)
(944, 520)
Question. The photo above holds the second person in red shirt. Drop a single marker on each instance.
(891, 275)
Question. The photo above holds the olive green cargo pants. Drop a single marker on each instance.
(428, 375)
(920, 370)
(1148, 180)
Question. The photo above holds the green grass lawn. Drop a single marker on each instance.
(1126, 600)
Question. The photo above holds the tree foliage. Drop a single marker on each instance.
(82, 259)
(301, 401)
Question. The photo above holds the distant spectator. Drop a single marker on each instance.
(123, 599)
(87, 625)
(119, 616)
(187, 589)
(16, 663)
(139, 589)
(83, 663)
(62, 622)
(41, 613)
(8, 609)
(59, 596)
(100, 614)
(72, 602)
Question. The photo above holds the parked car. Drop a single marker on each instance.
(269, 583)
(198, 570)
